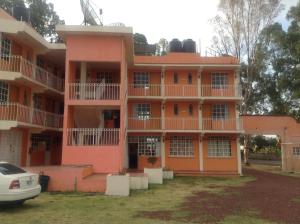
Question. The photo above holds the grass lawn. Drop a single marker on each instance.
(79, 208)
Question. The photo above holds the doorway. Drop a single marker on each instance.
(133, 155)
(10, 146)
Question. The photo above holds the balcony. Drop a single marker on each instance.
(184, 91)
(181, 123)
(24, 70)
(185, 124)
(225, 91)
(93, 136)
(15, 114)
(215, 125)
(144, 124)
(94, 91)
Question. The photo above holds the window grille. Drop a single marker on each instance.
(296, 151)
(143, 111)
(219, 147)
(3, 92)
(219, 80)
(141, 80)
(220, 111)
(181, 146)
(147, 145)
(5, 50)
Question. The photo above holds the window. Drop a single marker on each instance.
(175, 109)
(190, 78)
(181, 146)
(5, 48)
(219, 147)
(106, 76)
(147, 145)
(141, 80)
(40, 142)
(219, 80)
(3, 92)
(175, 78)
(220, 111)
(191, 109)
(9, 169)
(142, 111)
(296, 151)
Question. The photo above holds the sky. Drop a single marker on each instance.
(158, 18)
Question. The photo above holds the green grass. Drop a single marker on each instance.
(79, 208)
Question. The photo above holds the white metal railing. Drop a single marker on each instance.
(221, 91)
(30, 70)
(94, 91)
(144, 124)
(222, 124)
(182, 123)
(29, 115)
(93, 136)
(144, 90)
(181, 90)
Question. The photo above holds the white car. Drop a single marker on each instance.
(17, 185)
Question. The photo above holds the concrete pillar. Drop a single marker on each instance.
(162, 81)
(83, 72)
(199, 82)
(163, 152)
(201, 159)
(238, 154)
(200, 115)
(163, 115)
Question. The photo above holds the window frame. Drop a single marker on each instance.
(216, 147)
(191, 109)
(141, 80)
(296, 151)
(181, 146)
(149, 146)
(190, 78)
(4, 92)
(219, 80)
(3, 54)
(175, 78)
(176, 109)
(140, 114)
(218, 114)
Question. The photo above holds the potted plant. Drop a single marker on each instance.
(118, 184)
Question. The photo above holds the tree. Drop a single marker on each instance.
(238, 26)
(43, 18)
(163, 45)
(140, 38)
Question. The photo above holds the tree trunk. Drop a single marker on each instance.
(246, 149)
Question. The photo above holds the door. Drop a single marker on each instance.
(133, 155)
(10, 146)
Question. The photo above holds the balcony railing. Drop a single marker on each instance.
(144, 124)
(181, 123)
(185, 123)
(221, 91)
(230, 124)
(94, 91)
(28, 115)
(177, 90)
(144, 90)
(31, 71)
(181, 90)
(92, 136)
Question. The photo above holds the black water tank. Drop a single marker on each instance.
(175, 45)
(20, 13)
(189, 45)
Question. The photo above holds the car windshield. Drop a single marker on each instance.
(8, 169)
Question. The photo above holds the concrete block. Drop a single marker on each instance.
(155, 175)
(117, 185)
(168, 174)
(138, 181)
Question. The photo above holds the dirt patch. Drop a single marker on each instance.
(271, 196)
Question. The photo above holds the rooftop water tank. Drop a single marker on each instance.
(20, 13)
(189, 46)
(175, 45)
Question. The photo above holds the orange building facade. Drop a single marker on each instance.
(91, 101)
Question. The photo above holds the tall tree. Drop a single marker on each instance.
(238, 26)
(43, 18)
(140, 38)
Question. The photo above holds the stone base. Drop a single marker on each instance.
(138, 181)
(155, 175)
(117, 185)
